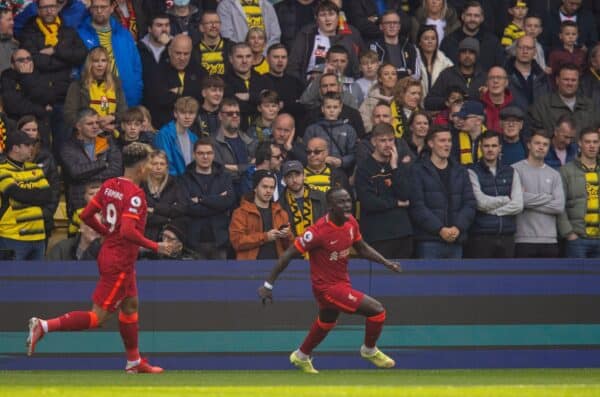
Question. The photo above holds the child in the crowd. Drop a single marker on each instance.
(147, 123)
(269, 106)
(569, 52)
(454, 102)
(533, 28)
(91, 188)
(515, 29)
(368, 69)
(131, 128)
(340, 136)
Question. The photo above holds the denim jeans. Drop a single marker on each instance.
(438, 250)
(24, 250)
(583, 248)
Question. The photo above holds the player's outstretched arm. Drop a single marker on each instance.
(265, 291)
(368, 252)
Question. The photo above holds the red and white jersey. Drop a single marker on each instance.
(329, 246)
(120, 198)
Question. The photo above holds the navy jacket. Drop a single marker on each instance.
(379, 188)
(213, 209)
(432, 207)
(494, 185)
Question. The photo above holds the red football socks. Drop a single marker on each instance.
(128, 327)
(374, 325)
(318, 332)
(73, 321)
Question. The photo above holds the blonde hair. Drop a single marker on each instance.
(154, 189)
(147, 116)
(87, 76)
(186, 104)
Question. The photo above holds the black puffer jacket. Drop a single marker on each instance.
(167, 205)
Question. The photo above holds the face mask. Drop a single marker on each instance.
(181, 3)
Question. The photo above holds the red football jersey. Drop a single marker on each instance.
(329, 246)
(119, 198)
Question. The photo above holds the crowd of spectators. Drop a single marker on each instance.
(461, 128)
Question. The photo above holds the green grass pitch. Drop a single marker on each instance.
(374, 383)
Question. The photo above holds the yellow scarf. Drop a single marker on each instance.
(301, 219)
(102, 100)
(397, 120)
(262, 67)
(592, 215)
(2, 135)
(254, 17)
(49, 31)
(465, 145)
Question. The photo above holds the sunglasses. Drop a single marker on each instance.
(316, 152)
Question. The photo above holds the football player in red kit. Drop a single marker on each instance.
(328, 243)
(121, 205)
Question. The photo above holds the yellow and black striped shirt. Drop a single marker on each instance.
(212, 59)
(512, 33)
(20, 221)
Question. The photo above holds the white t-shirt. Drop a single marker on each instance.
(319, 51)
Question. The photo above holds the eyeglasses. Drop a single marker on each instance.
(99, 8)
(231, 114)
(23, 59)
(316, 152)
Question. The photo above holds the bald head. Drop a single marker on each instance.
(283, 128)
(180, 51)
(525, 49)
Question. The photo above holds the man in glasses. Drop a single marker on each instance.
(101, 30)
(56, 50)
(526, 78)
(209, 199)
(26, 91)
(234, 149)
(213, 48)
(318, 174)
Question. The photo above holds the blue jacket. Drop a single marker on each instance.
(166, 139)
(127, 57)
(552, 159)
(71, 15)
(494, 185)
(432, 207)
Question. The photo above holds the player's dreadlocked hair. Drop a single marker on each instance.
(331, 192)
(134, 153)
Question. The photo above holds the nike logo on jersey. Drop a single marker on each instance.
(333, 242)
(352, 297)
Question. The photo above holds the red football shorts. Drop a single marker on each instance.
(112, 288)
(339, 296)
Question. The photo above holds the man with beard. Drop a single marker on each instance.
(382, 187)
(467, 75)
(472, 17)
(303, 204)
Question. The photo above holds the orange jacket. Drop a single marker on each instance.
(246, 230)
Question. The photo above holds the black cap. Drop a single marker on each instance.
(16, 137)
(259, 175)
(291, 166)
(512, 112)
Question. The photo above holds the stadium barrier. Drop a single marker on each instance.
(207, 315)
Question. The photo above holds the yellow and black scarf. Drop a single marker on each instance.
(397, 120)
(254, 17)
(592, 215)
(302, 219)
(50, 31)
(2, 135)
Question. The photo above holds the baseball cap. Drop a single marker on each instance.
(291, 166)
(16, 137)
(512, 112)
(469, 43)
(470, 108)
